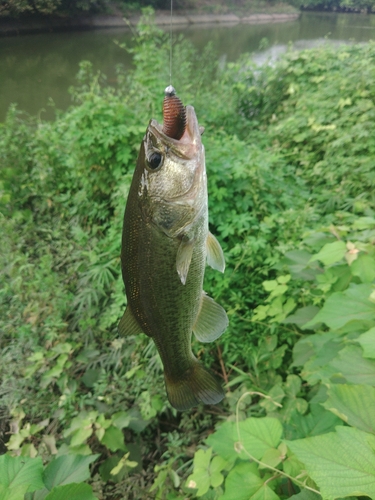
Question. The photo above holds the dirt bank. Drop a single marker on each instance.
(40, 25)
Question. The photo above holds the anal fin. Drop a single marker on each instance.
(215, 254)
(128, 324)
(212, 320)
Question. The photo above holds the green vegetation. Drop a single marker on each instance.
(25, 9)
(337, 5)
(290, 150)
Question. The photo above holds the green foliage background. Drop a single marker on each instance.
(45, 9)
(290, 160)
(366, 6)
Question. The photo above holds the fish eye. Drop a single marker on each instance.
(155, 160)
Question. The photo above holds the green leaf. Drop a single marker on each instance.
(302, 316)
(276, 395)
(298, 264)
(265, 493)
(217, 465)
(330, 253)
(364, 268)
(202, 458)
(68, 469)
(272, 457)
(306, 495)
(351, 365)
(121, 419)
(341, 463)
(79, 436)
(19, 471)
(318, 421)
(200, 479)
(242, 482)
(321, 348)
(107, 467)
(342, 307)
(355, 404)
(292, 386)
(206, 472)
(72, 492)
(257, 435)
(303, 350)
(223, 441)
(113, 439)
(15, 493)
(292, 466)
(367, 341)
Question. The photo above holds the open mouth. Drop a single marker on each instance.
(189, 143)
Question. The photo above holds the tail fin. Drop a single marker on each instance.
(195, 386)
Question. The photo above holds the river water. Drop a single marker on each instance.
(39, 67)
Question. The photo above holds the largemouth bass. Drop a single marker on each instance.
(165, 246)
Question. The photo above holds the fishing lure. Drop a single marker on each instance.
(174, 114)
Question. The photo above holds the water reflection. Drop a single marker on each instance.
(35, 68)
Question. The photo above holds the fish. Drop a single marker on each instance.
(166, 243)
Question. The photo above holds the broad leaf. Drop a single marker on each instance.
(353, 367)
(341, 463)
(265, 493)
(302, 316)
(310, 345)
(200, 479)
(113, 439)
(15, 493)
(367, 341)
(18, 471)
(298, 264)
(306, 495)
(72, 492)
(258, 435)
(318, 367)
(68, 469)
(364, 268)
(272, 457)
(206, 472)
(242, 482)
(330, 253)
(341, 307)
(355, 404)
(318, 421)
(223, 441)
(217, 465)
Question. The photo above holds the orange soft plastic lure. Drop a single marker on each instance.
(174, 114)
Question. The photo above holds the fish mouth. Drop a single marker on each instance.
(189, 144)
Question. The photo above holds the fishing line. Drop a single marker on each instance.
(170, 43)
(174, 112)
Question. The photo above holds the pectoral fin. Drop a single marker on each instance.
(211, 321)
(128, 324)
(215, 255)
(184, 254)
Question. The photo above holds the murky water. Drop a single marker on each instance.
(34, 68)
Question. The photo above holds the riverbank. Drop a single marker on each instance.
(42, 25)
